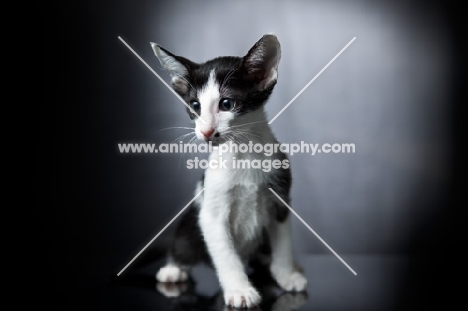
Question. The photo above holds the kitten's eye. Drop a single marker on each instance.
(195, 106)
(227, 104)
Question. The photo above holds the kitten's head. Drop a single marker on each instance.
(225, 90)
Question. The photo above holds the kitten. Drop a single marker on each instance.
(237, 216)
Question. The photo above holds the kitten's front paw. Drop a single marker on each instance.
(242, 298)
(171, 289)
(171, 273)
(292, 282)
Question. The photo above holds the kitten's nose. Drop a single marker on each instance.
(207, 133)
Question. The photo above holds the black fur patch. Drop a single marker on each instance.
(189, 247)
(232, 78)
(281, 184)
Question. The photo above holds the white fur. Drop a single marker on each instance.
(234, 211)
(232, 217)
(209, 98)
(171, 273)
(282, 265)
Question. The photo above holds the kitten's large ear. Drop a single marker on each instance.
(177, 66)
(261, 62)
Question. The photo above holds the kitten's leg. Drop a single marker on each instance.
(188, 248)
(282, 267)
(238, 292)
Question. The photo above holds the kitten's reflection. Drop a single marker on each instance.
(184, 297)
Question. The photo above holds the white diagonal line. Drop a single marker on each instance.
(159, 77)
(159, 233)
(312, 230)
(310, 82)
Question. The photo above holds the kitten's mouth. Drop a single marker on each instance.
(215, 139)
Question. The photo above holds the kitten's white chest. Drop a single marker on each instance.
(236, 197)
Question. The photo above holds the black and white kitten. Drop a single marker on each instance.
(237, 216)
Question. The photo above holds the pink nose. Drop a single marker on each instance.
(208, 133)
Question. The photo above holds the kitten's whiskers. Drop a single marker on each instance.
(181, 137)
(176, 127)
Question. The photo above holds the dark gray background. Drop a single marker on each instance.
(392, 93)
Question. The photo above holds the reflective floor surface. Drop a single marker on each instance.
(377, 286)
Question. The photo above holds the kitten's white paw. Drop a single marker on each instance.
(292, 282)
(242, 298)
(171, 273)
(171, 289)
